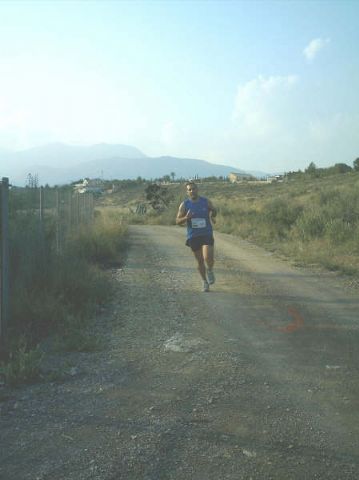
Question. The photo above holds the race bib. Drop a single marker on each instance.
(198, 223)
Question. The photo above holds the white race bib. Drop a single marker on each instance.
(198, 222)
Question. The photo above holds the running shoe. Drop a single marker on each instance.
(205, 286)
(210, 277)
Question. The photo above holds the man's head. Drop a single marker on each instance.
(192, 190)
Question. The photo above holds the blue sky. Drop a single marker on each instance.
(266, 85)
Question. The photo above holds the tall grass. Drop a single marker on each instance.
(313, 222)
(102, 242)
(53, 292)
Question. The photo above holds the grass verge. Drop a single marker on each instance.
(58, 293)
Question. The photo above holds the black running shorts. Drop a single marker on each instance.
(196, 243)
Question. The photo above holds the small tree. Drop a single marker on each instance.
(158, 196)
(311, 169)
(356, 164)
(342, 168)
(32, 180)
(166, 178)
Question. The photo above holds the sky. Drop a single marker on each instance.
(258, 85)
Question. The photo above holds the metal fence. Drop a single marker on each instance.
(41, 209)
(4, 260)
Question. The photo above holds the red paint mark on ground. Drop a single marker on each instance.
(298, 322)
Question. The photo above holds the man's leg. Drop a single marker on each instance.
(200, 263)
(208, 256)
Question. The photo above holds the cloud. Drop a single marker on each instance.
(258, 103)
(169, 134)
(264, 121)
(314, 47)
(65, 103)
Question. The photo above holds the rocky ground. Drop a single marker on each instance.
(257, 379)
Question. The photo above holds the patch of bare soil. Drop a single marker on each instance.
(257, 379)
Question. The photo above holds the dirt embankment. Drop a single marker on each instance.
(257, 379)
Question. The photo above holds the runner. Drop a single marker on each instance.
(199, 214)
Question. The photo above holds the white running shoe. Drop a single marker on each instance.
(205, 286)
(210, 277)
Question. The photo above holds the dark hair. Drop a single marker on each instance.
(191, 182)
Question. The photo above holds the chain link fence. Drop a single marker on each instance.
(33, 222)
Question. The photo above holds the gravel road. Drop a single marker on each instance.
(257, 379)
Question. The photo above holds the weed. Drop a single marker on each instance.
(75, 337)
(312, 219)
(49, 287)
(23, 364)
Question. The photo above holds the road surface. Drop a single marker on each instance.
(257, 379)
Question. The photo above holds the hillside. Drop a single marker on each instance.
(57, 164)
(313, 221)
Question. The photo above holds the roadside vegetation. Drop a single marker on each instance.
(311, 217)
(56, 293)
(314, 221)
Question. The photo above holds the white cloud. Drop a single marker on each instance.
(169, 134)
(258, 102)
(314, 47)
(66, 104)
(264, 122)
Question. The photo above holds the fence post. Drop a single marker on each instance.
(77, 210)
(4, 278)
(70, 211)
(41, 216)
(41, 209)
(57, 198)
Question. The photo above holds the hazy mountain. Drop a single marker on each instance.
(61, 155)
(153, 167)
(259, 174)
(60, 164)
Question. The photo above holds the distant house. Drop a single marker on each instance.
(94, 185)
(275, 178)
(239, 177)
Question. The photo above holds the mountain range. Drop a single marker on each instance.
(58, 164)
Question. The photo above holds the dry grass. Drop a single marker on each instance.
(312, 220)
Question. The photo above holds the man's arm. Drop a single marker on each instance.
(212, 211)
(182, 216)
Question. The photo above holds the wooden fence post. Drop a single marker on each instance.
(4, 278)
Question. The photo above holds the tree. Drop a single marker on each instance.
(32, 181)
(342, 168)
(311, 169)
(173, 175)
(356, 164)
(166, 178)
(158, 196)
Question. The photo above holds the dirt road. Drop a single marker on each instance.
(257, 379)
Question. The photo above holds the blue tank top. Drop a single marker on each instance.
(200, 223)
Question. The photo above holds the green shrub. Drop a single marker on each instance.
(48, 287)
(311, 224)
(75, 337)
(280, 212)
(102, 242)
(339, 231)
(23, 365)
(326, 197)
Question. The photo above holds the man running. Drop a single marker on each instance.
(199, 214)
